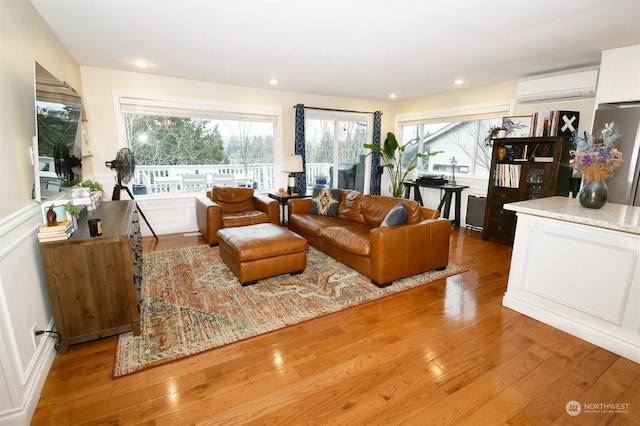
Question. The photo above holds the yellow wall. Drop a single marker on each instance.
(99, 84)
(495, 93)
(24, 39)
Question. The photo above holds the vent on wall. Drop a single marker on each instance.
(561, 87)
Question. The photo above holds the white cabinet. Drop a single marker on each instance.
(619, 79)
(578, 270)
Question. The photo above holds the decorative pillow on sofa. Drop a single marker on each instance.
(397, 216)
(325, 201)
(349, 207)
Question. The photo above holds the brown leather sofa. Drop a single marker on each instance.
(226, 207)
(355, 238)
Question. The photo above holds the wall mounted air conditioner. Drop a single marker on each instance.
(560, 87)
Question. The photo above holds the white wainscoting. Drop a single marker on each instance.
(25, 360)
(168, 214)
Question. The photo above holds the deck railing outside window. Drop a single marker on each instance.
(169, 179)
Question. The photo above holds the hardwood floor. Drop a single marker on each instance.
(443, 353)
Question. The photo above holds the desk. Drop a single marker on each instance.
(282, 198)
(449, 190)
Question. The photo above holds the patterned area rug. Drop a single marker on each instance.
(192, 303)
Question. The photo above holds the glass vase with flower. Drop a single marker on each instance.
(596, 157)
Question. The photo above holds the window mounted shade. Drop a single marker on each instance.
(466, 113)
(130, 105)
(56, 94)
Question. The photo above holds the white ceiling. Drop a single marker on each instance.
(352, 48)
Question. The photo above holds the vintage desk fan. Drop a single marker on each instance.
(125, 166)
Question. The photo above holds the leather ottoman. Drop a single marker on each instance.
(261, 251)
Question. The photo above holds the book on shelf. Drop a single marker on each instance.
(507, 175)
(62, 231)
(43, 238)
(62, 225)
(563, 123)
(543, 159)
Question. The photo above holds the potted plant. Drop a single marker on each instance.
(494, 133)
(391, 158)
(96, 189)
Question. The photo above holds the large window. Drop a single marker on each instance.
(460, 133)
(334, 148)
(171, 139)
(462, 140)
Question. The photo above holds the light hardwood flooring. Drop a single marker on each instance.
(444, 353)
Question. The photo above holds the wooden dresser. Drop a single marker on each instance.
(94, 283)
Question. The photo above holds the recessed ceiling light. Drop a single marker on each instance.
(274, 82)
(458, 82)
(393, 96)
(140, 63)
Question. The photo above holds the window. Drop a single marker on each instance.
(463, 140)
(459, 132)
(175, 138)
(334, 148)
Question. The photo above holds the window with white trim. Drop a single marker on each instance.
(334, 147)
(172, 138)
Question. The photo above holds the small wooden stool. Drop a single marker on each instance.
(261, 251)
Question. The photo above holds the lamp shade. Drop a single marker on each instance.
(292, 164)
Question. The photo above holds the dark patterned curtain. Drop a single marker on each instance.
(376, 175)
(301, 178)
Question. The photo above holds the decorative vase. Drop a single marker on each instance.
(594, 195)
(502, 153)
(51, 216)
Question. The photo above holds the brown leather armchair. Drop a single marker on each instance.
(226, 207)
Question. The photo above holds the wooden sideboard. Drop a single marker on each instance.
(94, 283)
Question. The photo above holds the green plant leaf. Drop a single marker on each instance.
(390, 145)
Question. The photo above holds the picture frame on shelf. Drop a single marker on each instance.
(518, 126)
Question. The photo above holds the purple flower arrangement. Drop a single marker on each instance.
(597, 157)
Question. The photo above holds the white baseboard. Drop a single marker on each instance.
(591, 334)
(22, 414)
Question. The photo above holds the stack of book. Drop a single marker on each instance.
(61, 231)
(507, 175)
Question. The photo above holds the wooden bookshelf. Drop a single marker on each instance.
(529, 170)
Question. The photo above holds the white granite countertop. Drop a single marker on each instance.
(617, 217)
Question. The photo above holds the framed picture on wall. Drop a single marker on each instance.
(518, 126)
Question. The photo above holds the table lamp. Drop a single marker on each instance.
(454, 163)
(292, 164)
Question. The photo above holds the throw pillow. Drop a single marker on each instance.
(396, 216)
(325, 201)
(349, 206)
